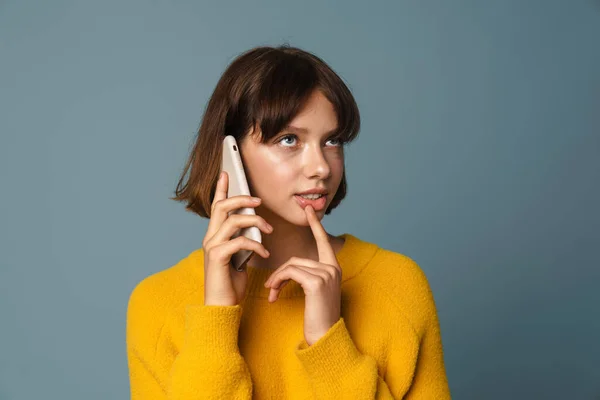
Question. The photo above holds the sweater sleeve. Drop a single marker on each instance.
(430, 381)
(208, 365)
(337, 369)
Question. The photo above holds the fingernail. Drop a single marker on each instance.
(256, 200)
(222, 175)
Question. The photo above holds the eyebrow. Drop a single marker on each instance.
(304, 131)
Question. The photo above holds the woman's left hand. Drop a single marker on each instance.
(321, 281)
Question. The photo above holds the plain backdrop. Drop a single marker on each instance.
(478, 158)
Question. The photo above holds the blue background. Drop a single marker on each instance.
(478, 157)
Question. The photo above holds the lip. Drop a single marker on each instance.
(315, 191)
(317, 205)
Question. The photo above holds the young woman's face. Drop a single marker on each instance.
(304, 156)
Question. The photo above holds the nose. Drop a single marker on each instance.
(316, 165)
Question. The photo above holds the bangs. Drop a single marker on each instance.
(287, 87)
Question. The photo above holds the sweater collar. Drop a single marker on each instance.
(354, 255)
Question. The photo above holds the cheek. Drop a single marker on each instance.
(279, 180)
(336, 163)
(269, 176)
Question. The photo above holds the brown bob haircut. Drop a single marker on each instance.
(264, 87)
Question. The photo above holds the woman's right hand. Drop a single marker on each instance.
(223, 285)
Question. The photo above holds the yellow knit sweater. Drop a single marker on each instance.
(386, 345)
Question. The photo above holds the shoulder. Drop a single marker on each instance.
(405, 284)
(157, 295)
(401, 271)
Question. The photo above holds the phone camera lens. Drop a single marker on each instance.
(234, 148)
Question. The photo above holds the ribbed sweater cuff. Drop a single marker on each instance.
(212, 329)
(330, 358)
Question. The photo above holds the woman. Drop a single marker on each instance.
(313, 315)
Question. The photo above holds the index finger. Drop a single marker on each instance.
(326, 253)
(220, 194)
(222, 187)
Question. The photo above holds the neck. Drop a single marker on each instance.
(287, 240)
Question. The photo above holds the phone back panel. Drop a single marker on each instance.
(238, 185)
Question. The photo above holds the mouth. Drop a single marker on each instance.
(317, 204)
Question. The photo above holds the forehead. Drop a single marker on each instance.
(318, 114)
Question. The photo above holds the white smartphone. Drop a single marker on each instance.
(238, 185)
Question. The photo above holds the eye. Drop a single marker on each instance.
(289, 137)
(286, 137)
(340, 143)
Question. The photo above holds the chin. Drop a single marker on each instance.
(295, 217)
